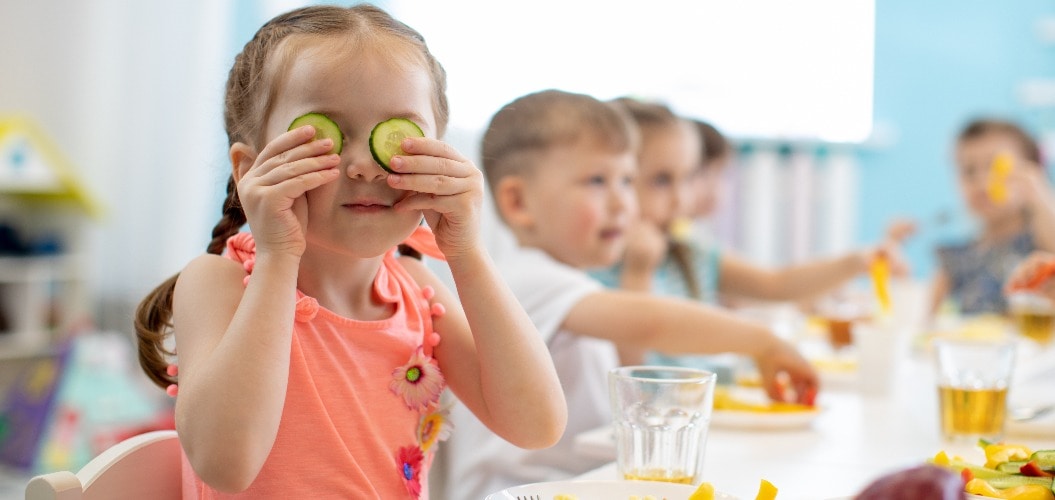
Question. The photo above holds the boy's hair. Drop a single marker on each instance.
(980, 127)
(250, 92)
(535, 123)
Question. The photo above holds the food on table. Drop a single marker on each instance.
(387, 136)
(325, 128)
(705, 491)
(1011, 471)
(924, 482)
(766, 491)
(724, 399)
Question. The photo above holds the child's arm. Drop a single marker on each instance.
(233, 340)
(682, 326)
(938, 291)
(1041, 201)
(741, 278)
(493, 357)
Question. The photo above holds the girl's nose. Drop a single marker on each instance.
(360, 163)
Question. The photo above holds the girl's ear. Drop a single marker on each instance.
(511, 201)
(242, 157)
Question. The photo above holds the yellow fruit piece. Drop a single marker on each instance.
(996, 454)
(880, 277)
(766, 491)
(980, 487)
(941, 458)
(705, 491)
(725, 400)
(681, 228)
(1001, 168)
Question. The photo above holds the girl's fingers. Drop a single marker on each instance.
(425, 146)
(292, 170)
(440, 185)
(290, 147)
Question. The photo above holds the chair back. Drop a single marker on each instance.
(147, 466)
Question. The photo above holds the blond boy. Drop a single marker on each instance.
(560, 167)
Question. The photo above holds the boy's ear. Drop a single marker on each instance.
(511, 202)
(242, 157)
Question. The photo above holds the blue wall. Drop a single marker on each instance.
(939, 63)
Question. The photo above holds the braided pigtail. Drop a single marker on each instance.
(153, 318)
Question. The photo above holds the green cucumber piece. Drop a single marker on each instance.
(386, 137)
(325, 128)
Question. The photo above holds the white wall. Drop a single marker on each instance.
(132, 93)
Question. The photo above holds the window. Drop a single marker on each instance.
(755, 68)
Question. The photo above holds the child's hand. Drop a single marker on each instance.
(1028, 180)
(645, 248)
(272, 189)
(781, 365)
(447, 187)
(1035, 273)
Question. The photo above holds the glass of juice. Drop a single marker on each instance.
(661, 416)
(973, 379)
(1033, 315)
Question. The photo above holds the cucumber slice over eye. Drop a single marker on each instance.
(325, 128)
(386, 137)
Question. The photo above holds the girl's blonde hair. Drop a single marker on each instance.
(249, 95)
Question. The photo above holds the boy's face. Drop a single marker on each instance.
(974, 169)
(579, 202)
(669, 158)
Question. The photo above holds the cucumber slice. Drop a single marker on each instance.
(324, 128)
(386, 137)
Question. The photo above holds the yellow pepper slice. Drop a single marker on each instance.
(1002, 166)
(766, 491)
(705, 491)
(1025, 492)
(880, 271)
(996, 453)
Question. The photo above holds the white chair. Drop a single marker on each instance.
(146, 466)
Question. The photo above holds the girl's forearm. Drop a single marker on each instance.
(517, 379)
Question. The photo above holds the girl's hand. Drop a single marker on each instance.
(1028, 180)
(272, 189)
(781, 365)
(1034, 273)
(646, 248)
(446, 187)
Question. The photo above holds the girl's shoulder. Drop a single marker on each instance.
(211, 269)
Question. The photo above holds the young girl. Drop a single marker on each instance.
(311, 355)
(661, 261)
(1005, 189)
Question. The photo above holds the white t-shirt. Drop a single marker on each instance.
(478, 462)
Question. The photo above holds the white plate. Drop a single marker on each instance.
(756, 420)
(601, 490)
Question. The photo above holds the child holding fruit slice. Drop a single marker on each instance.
(660, 259)
(1005, 188)
(313, 350)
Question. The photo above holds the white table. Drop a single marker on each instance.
(856, 439)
